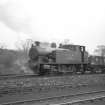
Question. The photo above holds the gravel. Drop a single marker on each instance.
(54, 81)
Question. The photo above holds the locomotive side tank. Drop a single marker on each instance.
(73, 55)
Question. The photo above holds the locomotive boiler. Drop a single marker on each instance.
(64, 59)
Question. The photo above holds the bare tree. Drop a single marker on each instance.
(22, 54)
(66, 41)
(2, 46)
(100, 50)
(24, 46)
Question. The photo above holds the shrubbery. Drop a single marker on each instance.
(7, 57)
(13, 62)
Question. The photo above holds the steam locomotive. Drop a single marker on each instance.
(65, 59)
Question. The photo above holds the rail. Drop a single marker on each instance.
(15, 76)
(62, 100)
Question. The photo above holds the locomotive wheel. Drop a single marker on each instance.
(43, 71)
(103, 70)
(73, 68)
(63, 69)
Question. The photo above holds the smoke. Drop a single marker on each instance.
(15, 16)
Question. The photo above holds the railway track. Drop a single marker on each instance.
(4, 77)
(97, 101)
(15, 76)
(62, 100)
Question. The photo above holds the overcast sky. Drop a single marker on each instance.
(80, 21)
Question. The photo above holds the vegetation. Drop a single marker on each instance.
(100, 50)
(15, 61)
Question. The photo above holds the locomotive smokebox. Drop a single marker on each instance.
(36, 51)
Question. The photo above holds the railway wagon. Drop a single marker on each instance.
(97, 63)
